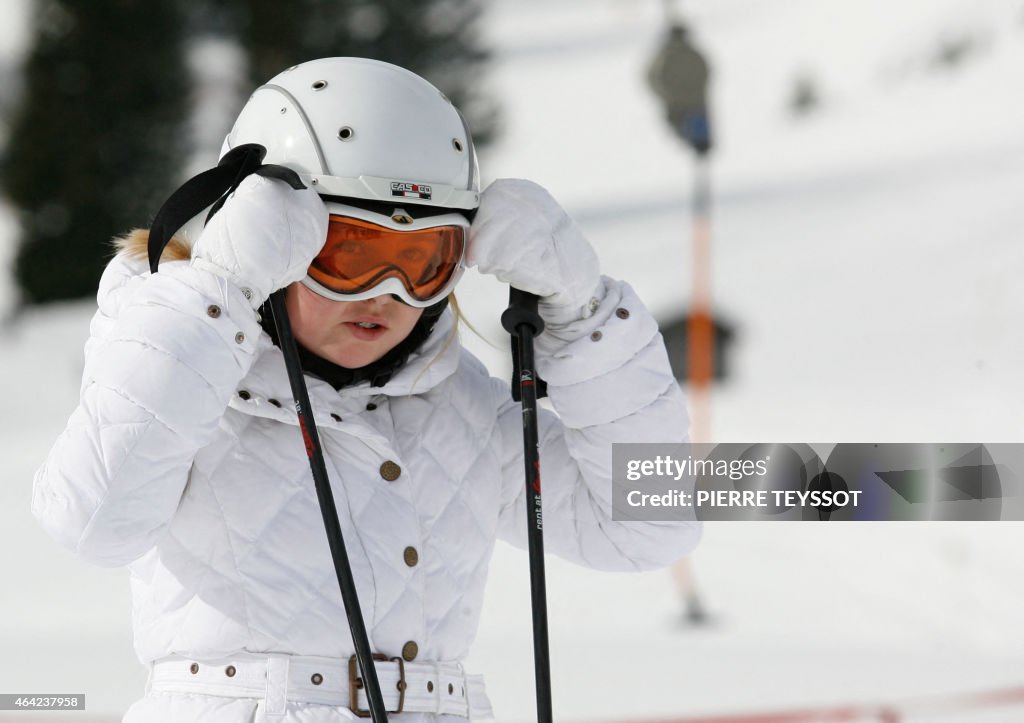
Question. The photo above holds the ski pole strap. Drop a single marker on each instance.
(521, 318)
(211, 188)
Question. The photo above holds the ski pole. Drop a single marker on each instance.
(327, 508)
(522, 321)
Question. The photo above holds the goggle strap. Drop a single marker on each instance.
(211, 188)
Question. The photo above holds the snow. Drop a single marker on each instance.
(869, 255)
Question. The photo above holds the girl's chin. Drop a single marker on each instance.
(350, 358)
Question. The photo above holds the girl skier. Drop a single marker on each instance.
(183, 460)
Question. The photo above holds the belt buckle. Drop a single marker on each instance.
(355, 684)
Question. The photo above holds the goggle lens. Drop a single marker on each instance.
(358, 255)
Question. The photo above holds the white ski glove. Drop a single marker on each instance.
(524, 238)
(264, 237)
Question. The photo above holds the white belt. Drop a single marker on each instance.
(440, 688)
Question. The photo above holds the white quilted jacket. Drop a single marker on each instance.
(184, 462)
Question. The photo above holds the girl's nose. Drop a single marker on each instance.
(382, 300)
(388, 299)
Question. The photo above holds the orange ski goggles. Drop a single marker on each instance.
(362, 259)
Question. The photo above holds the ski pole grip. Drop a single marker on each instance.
(522, 310)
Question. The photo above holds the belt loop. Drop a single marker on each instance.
(277, 686)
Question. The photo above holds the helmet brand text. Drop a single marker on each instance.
(410, 190)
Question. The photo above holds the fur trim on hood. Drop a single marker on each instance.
(135, 245)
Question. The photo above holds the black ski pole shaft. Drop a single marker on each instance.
(314, 451)
(523, 322)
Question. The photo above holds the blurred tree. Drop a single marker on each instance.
(98, 137)
(434, 38)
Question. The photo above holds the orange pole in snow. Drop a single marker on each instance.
(700, 331)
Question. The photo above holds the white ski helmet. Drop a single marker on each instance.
(363, 129)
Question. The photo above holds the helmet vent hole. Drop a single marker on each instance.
(319, 85)
(346, 133)
(457, 144)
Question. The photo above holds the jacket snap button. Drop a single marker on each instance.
(430, 686)
(239, 338)
(230, 671)
(213, 311)
(409, 651)
(596, 336)
(370, 407)
(336, 417)
(244, 395)
(411, 556)
(622, 313)
(194, 668)
(317, 679)
(275, 403)
(390, 471)
(451, 689)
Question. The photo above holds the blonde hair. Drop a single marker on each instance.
(457, 317)
(135, 245)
